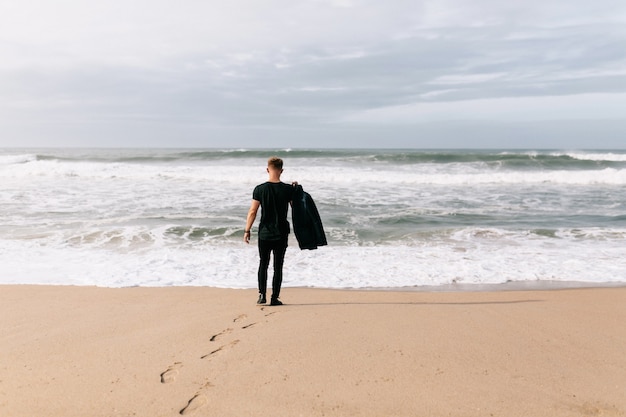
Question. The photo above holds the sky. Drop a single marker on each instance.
(313, 73)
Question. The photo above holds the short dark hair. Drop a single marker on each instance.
(275, 162)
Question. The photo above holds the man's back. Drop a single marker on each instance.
(274, 198)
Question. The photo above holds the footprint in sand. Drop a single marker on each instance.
(220, 334)
(219, 349)
(200, 400)
(240, 317)
(194, 404)
(171, 373)
(268, 314)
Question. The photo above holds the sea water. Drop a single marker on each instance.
(393, 218)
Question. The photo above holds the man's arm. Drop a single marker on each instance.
(254, 207)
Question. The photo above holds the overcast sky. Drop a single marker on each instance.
(313, 73)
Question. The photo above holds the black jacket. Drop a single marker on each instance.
(307, 225)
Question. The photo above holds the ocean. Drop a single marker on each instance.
(393, 218)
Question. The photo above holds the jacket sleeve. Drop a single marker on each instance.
(307, 225)
(314, 216)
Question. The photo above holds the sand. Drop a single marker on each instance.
(84, 351)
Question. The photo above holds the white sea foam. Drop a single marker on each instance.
(115, 219)
(16, 159)
(485, 258)
(597, 156)
(26, 167)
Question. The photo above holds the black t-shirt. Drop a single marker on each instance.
(275, 198)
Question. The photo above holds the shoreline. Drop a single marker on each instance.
(71, 351)
(537, 285)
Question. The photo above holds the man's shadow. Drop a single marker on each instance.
(416, 303)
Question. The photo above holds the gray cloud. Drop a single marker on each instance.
(294, 73)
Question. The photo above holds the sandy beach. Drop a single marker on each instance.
(84, 351)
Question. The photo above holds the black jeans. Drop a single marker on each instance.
(278, 248)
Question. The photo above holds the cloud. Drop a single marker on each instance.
(510, 109)
(326, 66)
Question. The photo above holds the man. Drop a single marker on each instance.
(274, 198)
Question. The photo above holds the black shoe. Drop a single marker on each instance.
(262, 299)
(276, 302)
